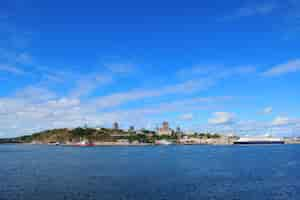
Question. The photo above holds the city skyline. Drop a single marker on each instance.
(229, 66)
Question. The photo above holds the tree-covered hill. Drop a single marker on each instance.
(75, 135)
(66, 135)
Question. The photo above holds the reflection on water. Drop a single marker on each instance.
(173, 172)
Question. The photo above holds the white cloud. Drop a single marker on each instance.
(11, 69)
(137, 94)
(198, 70)
(19, 116)
(183, 105)
(87, 84)
(252, 10)
(267, 110)
(63, 103)
(35, 94)
(15, 57)
(287, 127)
(24, 58)
(24, 114)
(261, 9)
(187, 116)
(121, 68)
(221, 118)
(281, 121)
(289, 67)
(216, 71)
(35, 109)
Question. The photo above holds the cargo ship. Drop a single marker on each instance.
(259, 140)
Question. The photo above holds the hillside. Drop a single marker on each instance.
(77, 134)
(103, 135)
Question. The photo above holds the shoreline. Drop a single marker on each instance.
(145, 144)
(222, 141)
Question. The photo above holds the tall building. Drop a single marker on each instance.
(165, 129)
(165, 125)
(115, 125)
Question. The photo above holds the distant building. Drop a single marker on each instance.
(123, 141)
(189, 140)
(165, 125)
(178, 130)
(115, 126)
(165, 129)
(131, 129)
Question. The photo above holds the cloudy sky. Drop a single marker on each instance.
(226, 66)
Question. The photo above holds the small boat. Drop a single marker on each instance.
(54, 143)
(163, 142)
(84, 143)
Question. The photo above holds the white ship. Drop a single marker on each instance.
(259, 140)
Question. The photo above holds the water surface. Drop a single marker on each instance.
(156, 172)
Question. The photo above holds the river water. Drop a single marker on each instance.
(40, 172)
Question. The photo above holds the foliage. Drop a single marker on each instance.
(103, 135)
(82, 132)
(208, 135)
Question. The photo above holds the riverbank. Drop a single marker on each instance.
(118, 137)
(203, 142)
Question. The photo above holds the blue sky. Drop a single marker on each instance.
(229, 66)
